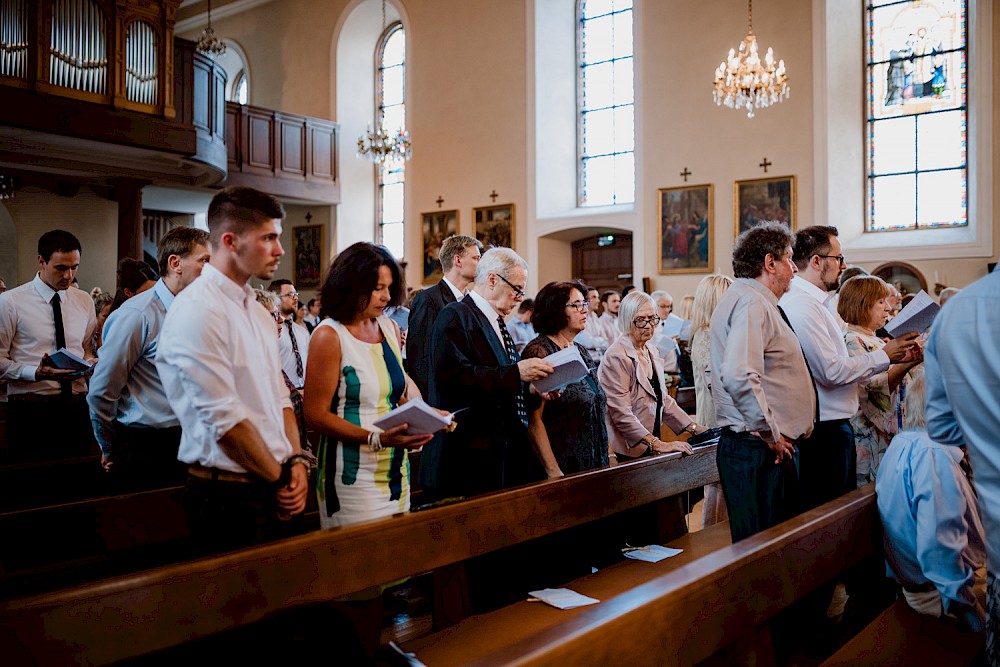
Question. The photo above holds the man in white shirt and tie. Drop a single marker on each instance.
(293, 343)
(827, 459)
(219, 364)
(135, 428)
(37, 319)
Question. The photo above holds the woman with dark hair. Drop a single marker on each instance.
(354, 376)
(568, 432)
(134, 277)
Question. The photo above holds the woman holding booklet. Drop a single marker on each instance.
(354, 376)
(632, 377)
(568, 432)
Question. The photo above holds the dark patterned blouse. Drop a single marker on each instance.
(575, 421)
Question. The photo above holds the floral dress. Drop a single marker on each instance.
(880, 415)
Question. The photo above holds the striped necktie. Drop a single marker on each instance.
(514, 357)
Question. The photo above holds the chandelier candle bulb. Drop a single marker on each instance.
(742, 81)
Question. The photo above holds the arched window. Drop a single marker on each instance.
(390, 115)
(234, 63)
(606, 112)
(917, 127)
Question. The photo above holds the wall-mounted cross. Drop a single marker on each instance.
(309, 217)
(439, 201)
(685, 174)
(493, 196)
(765, 164)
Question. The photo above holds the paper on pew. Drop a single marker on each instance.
(918, 314)
(569, 368)
(654, 553)
(420, 418)
(562, 598)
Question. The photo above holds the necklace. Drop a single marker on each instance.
(561, 341)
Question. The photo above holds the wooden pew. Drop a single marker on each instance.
(697, 608)
(139, 614)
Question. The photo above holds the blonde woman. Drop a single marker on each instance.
(706, 298)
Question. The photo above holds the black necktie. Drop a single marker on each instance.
(514, 357)
(811, 379)
(65, 386)
(295, 350)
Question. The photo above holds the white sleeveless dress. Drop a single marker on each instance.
(354, 483)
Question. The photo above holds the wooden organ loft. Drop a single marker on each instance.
(100, 93)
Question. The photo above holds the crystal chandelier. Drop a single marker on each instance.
(379, 146)
(743, 81)
(208, 43)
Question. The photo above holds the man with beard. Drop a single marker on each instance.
(827, 459)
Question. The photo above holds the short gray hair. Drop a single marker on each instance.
(661, 294)
(914, 411)
(499, 261)
(630, 306)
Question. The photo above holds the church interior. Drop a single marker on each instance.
(584, 135)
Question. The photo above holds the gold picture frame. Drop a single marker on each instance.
(435, 227)
(685, 218)
(759, 199)
(307, 254)
(494, 225)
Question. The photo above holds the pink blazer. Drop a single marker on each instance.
(631, 400)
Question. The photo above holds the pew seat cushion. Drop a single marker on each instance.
(900, 636)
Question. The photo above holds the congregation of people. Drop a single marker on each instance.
(255, 401)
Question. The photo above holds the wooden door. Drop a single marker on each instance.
(604, 262)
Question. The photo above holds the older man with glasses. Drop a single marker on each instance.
(476, 367)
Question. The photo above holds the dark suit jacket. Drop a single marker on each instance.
(489, 449)
(424, 310)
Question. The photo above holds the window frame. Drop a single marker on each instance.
(383, 41)
(581, 157)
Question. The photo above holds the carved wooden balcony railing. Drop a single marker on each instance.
(282, 153)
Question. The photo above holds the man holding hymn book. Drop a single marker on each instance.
(38, 319)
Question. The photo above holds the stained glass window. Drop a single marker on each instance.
(606, 103)
(390, 113)
(917, 114)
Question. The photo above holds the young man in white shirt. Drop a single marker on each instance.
(827, 459)
(135, 428)
(37, 319)
(219, 364)
(293, 343)
(608, 320)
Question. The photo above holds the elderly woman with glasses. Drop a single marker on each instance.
(568, 431)
(632, 377)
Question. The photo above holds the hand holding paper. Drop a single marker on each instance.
(420, 418)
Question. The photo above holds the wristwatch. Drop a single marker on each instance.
(286, 469)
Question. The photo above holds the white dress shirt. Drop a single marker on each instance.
(489, 312)
(833, 369)
(219, 364)
(27, 332)
(609, 327)
(288, 354)
(454, 290)
(125, 386)
(592, 337)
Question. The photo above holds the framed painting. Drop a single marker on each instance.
(435, 227)
(763, 199)
(307, 249)
(494, 226)
(684, 228)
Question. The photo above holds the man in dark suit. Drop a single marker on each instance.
(459, 257)
(477, 368)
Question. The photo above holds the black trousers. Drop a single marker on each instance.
(48, 428)
(759, 493)
(828, 463)
(146, 458)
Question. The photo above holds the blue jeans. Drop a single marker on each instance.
(759, 493)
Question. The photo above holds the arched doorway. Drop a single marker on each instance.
(599, 256)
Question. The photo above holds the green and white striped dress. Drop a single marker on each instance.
(354, 483)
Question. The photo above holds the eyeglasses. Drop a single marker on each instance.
(643, 322)
(839, 258)
(294, 295)
(518, 292)
(581, 306)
